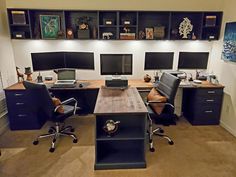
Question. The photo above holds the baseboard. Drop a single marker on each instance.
(230, 130)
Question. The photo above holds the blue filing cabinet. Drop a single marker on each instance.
(21, 114)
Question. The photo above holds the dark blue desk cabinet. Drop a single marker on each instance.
(20, 114)
(202, 106)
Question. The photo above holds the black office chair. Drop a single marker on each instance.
(160, 105)
(42, 104)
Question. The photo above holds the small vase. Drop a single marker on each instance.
(147, 78)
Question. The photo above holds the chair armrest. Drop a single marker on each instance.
(166, 104)
(67, 102)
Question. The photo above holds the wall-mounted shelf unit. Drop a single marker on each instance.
(113, 25)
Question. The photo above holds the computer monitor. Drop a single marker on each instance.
(66, 74)
(158, 60)
(79, 60)
(47, 61)
(193, 60)
(116, 64)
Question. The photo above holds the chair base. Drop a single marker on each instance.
(55, 133)
(157, 131)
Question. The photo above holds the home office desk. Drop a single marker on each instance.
(201, 103)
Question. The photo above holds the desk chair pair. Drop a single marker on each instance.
(160, 105)
(42, 104)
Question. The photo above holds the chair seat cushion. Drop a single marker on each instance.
(60, 117)
(154, 95)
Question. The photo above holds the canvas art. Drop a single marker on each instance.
(229, 45)
(50, 26)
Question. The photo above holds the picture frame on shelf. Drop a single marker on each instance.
(149, 33)
(50, 26)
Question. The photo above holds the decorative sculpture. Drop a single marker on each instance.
(20, 76)
(185, 28)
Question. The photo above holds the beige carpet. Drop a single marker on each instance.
(199, 151)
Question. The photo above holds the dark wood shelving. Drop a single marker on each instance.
(165, 24)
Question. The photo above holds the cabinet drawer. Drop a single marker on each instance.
(207, 99)
(208, 92)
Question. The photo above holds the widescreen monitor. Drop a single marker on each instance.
(158, 60)
(193, 60)
(47, 61)
(116, 64)
(79, 60)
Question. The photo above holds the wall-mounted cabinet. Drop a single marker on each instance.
(114, 25)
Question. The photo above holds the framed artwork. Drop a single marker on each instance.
(149, 33)
(50, 26)
(229, 44)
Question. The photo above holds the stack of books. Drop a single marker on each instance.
(127, 35)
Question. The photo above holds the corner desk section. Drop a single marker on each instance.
(126, 148)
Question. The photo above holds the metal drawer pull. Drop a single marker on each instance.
(210, 100)
(18, 94)
(211, 92)
(208, 111)
(22, 115)
(20, 104)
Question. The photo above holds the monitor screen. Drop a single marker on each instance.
(47, 61)
(79, 60)
(66, 74)
(116, 64)
(158, 60)
(193, 60)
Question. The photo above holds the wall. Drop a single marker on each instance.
(22, 50)
(226, 71)
(119, 4)
(7, 64)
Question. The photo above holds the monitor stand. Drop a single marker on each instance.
(116, 82)
(116, 77)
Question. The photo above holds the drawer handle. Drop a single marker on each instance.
(20, 104)
(210, 100)
(209, 111)
(21, 115)
(211, 92)
(18, 94)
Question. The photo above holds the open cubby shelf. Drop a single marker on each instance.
(116, 25)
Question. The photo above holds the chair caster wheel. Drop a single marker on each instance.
(72, 130)
(171, 142)
(75, 140)
(50, 131)
(35, 142)
(51, 149)
(152, 149)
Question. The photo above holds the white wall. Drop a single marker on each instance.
(226, 71)
(7, 64)
(23, 49)
(202, 5)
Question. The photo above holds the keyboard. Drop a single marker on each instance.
(62, 82)
(63, 85)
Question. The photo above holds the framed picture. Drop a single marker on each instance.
(50, 26)
(229, 44)
(149, 33)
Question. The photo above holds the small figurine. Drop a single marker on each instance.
(20, 76)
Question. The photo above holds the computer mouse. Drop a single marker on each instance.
(80, 85)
